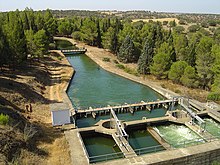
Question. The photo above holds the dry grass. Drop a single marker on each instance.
(155, 20)
(32, 84)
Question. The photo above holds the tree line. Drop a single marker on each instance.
(190, 57)
(24, 33)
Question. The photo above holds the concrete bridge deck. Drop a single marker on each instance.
(214, 114)
(145, 121)
(73, 51)
(142, 103)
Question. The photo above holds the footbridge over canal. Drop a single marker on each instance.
(73, 51)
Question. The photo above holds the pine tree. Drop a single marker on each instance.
(204, 62)
(162, 61)
(16, 38)
(99, 39)
(4, 49)
(146, 57)
(127, 52)
(50, 24)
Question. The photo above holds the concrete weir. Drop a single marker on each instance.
(127, 107)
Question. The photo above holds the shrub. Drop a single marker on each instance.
(165, 22)
(163, 86)
(214, 96)
(131, 71)
(29, 132)
(59, 58)
(106, 59)
(177, 91)
(182, 22)
(4, 119)
(52, 46)
(193, 28)
(120, 66)
(116, 62)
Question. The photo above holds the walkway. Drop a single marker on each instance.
(141, 104)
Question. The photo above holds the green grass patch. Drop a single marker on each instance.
(4, 119)
(106, 59)
(214, 96)
(120, 66)
(127, 70)
(177, 91)
(131, 71)
(59, 58)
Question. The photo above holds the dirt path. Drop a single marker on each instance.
(39, 83)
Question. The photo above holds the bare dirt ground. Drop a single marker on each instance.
(32, 85)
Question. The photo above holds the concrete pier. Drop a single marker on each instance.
(130, 107)
(150, 120)
(214, 114)
(158, 138)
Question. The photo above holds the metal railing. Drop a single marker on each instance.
(118, 155)
(122, 102)
(148, 150)
(196, 141)
(106, 157)
(83, 145)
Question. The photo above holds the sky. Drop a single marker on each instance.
(180, 6)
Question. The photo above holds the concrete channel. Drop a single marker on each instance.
(200, 154)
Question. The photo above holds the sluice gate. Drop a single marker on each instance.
(128, 107)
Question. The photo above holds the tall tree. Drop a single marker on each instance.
(204, 62)
(180, 45)
(41, 42)
(177, 70)
(50, 24)
(127, 52)
(24, 19)
(189, 77)
(89, 31)
(99, 38)
(16, 38)
(4, 49)
(146, 57)
(161, 65)
(31, 47)
(39, 20)
(64, 27)
(215, 88)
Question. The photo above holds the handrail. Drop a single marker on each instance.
(152, 149)
(83, 145)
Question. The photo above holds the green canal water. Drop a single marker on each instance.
(98, 144)
(95, 87)
(61, 44)
(178, 135)
(212, 127)
(142, 142)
